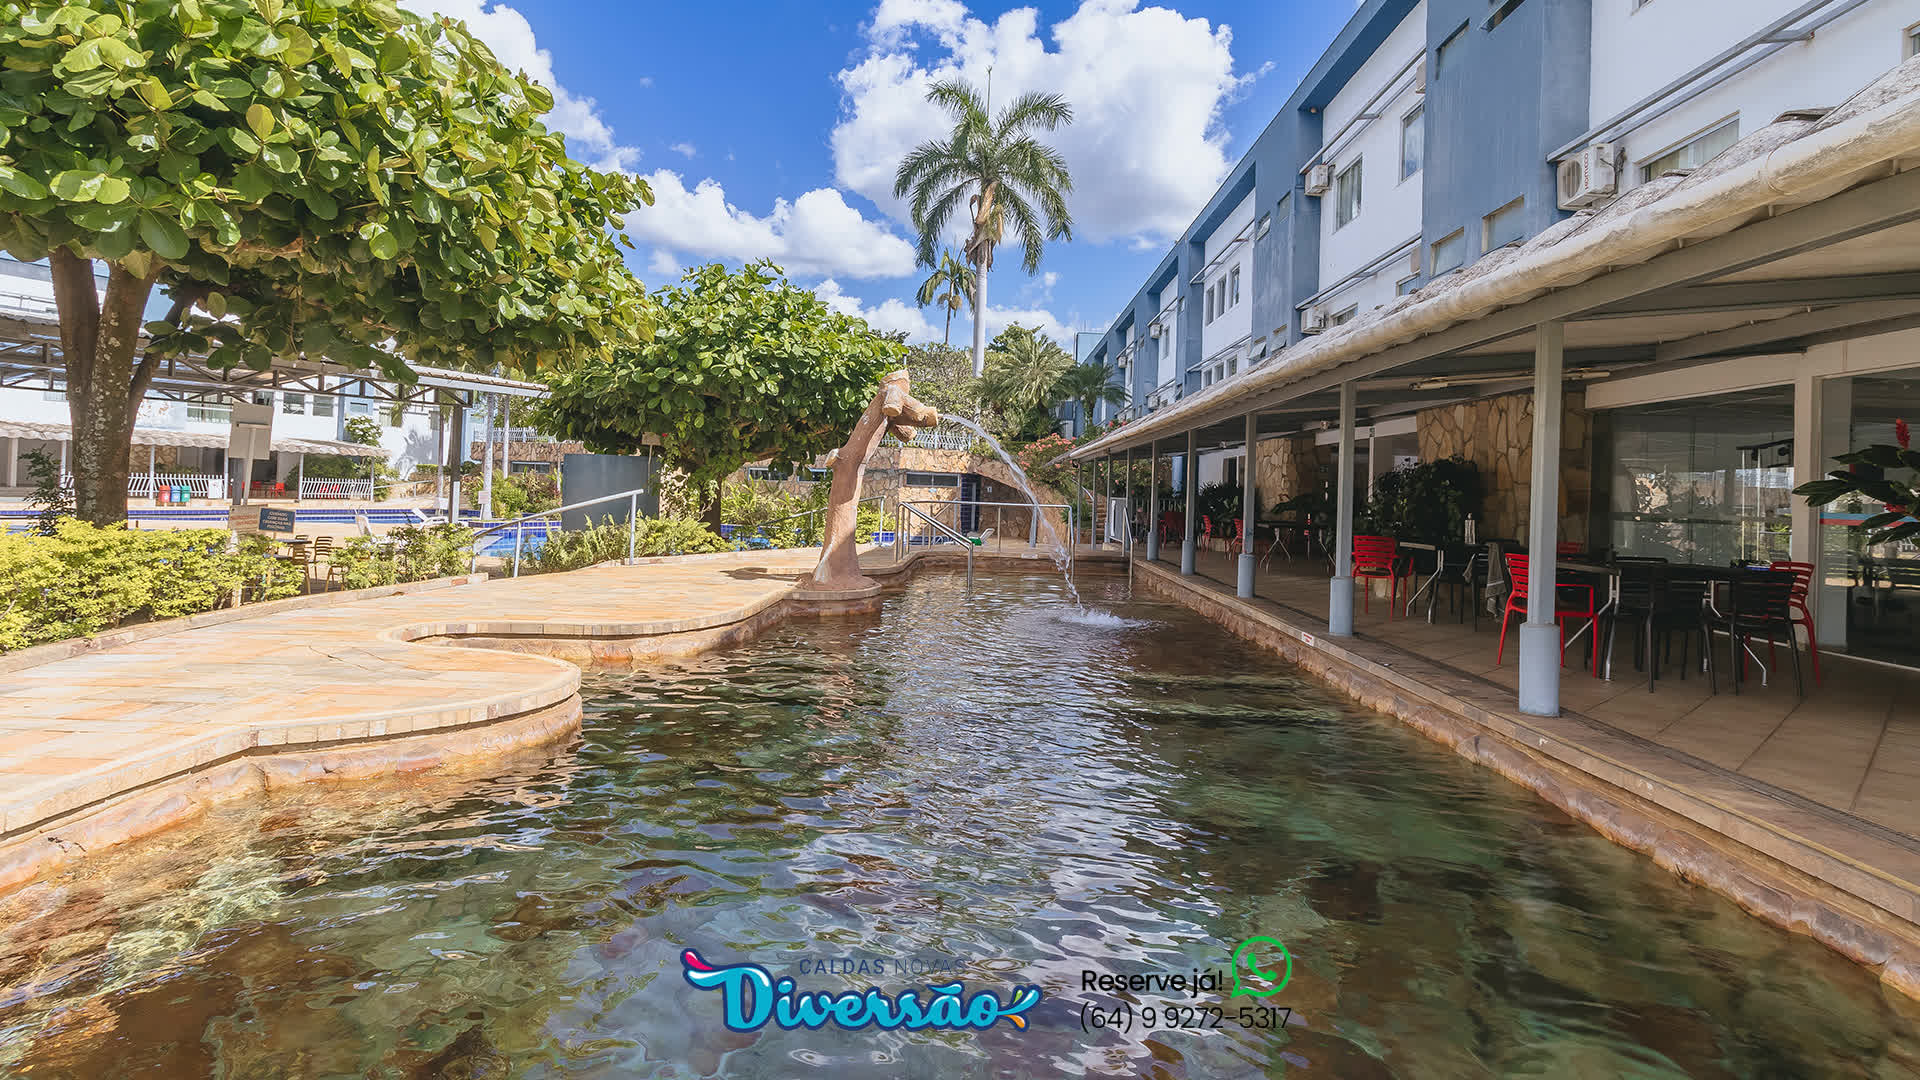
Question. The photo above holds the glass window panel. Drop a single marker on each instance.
(1870, 593)
(1413, 141)
(1694, 153)
(1347, 194)
(1450, 252)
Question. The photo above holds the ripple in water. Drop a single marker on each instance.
(961, 781)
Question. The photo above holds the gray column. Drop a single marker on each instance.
(1340, 592)
(1080, 485)
(1540, 636)
(1189, 525)
(1153, 501)
(456, 451)
(13, 462)
(1245, 583)
(1126, 499)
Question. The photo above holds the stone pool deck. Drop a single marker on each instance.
(106, 741)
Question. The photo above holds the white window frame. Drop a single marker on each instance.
(323, 405)
(1406, 286)
(209, 412)
(1342, 318)
(1233, 276)
(1487, 225)
(1646, 168)
(1910, 42)
(360, 408)
(1343, 214)
(1457, 234)
(1415, 119)
(292, 404)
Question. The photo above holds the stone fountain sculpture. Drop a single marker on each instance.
(893, 410)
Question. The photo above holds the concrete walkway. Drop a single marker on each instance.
(79, 730)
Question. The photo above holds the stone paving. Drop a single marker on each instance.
(82, 729)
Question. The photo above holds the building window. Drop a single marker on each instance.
(1347, 194)
(1413, 140)
(293, 404)
(1503, 226)
(1450, 252)
(1445, 56)
(1210, 292)
(56, 391)
(263, 397)
(1501, 9)
(1233, 277)
(1913, 41)
(1693, 153)
(210, 414)
(1344, 317)
(323, 404)
(1406, 285)
(1266, 222)
(359, 408)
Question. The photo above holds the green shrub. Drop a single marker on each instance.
(607, 542)
(363, 562)
(518, 494)
(85, 580)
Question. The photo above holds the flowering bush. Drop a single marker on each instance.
(1866, 476)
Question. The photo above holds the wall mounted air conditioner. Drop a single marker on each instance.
(1314, 321)
(1588, 176)
(1319, 179)
(1154, 329)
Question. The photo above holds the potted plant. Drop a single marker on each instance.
(1865, 478)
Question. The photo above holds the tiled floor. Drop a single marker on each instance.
(1852, 744)
(85, 728)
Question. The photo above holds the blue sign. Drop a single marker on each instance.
(276, 521)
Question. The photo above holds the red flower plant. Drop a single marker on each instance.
(1901, 435)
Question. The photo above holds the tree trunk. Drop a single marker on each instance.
(713, 507)
(947, 340)
(979, 321)
(104, 387)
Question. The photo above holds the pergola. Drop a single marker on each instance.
(30, 357)
(1807, 231)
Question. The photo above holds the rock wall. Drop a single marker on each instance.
(1496, 434)
(1290, 466)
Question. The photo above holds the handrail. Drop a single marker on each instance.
(1068, 517)
(940, 527)
(801, 514)
(519, 532)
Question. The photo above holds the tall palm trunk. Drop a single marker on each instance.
(948, 339)
(979, 321)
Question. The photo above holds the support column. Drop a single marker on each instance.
(299, 473)
(1153, 501)
(456, 443)
(13, 462)
(1126, 500)
(152, 483)
(1187, 526)
(1540, 636)
(1244, 586)
(1080, 485)
(1803, 542)
(1340, 590)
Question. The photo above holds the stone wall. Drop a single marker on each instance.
(1291, 466)
(1496, 434)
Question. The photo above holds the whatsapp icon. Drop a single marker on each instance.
(1250, 979)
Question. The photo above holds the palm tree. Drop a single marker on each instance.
(1086, 385)
(1002, 171)
(956, 277)
(1022, 372)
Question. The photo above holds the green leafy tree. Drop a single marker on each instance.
(1023, 370)
(1004, 173)
(943, 378)
(332, 178)
(363, 430)
(742, 367)
(1089, 385)
(50, 495)
(950, 284)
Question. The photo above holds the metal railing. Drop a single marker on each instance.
(731, 530)
(909, 511)
(143, 484)
(357, 488)
(518, 525)
(939, 439)
(984, 531)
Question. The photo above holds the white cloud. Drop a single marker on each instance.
(888, 316)
(685, 149)
(507, 32)
(999, 318)
(817, 233)
(664, 266)
(1147, 87)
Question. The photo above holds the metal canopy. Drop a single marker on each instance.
(30, 358)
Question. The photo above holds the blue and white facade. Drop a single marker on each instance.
(1434, 131)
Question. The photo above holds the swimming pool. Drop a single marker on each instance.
(990, 787)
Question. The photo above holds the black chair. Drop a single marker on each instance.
(1466, 571)
(1679, 609)
(1759, 603)
(1639, 580)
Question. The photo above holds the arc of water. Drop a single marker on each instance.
(1059, 549)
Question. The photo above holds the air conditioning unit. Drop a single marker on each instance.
(1588, 176)
(1420, 77)
(1319, 179)
(1154, 329)
(1314, 321)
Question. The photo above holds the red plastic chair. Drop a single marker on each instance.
(1376, 558)
(1239, 541)
(1568, 604)
(1569, 548)
(1802, 581)
(1206, 532)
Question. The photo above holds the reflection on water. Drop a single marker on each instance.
(961, 780)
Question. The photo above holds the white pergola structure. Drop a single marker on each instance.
(1804, 233)
(30, 358)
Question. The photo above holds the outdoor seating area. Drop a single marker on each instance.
(1845, 740)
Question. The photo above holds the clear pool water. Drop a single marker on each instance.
(984, 783)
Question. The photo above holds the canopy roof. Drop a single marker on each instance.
(211, 440)
(1805, 231)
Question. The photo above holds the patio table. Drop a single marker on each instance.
(1439, 565)
(1612, 575)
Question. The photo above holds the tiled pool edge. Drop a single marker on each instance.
(1847, 904)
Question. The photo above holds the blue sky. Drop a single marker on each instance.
(772, 129)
